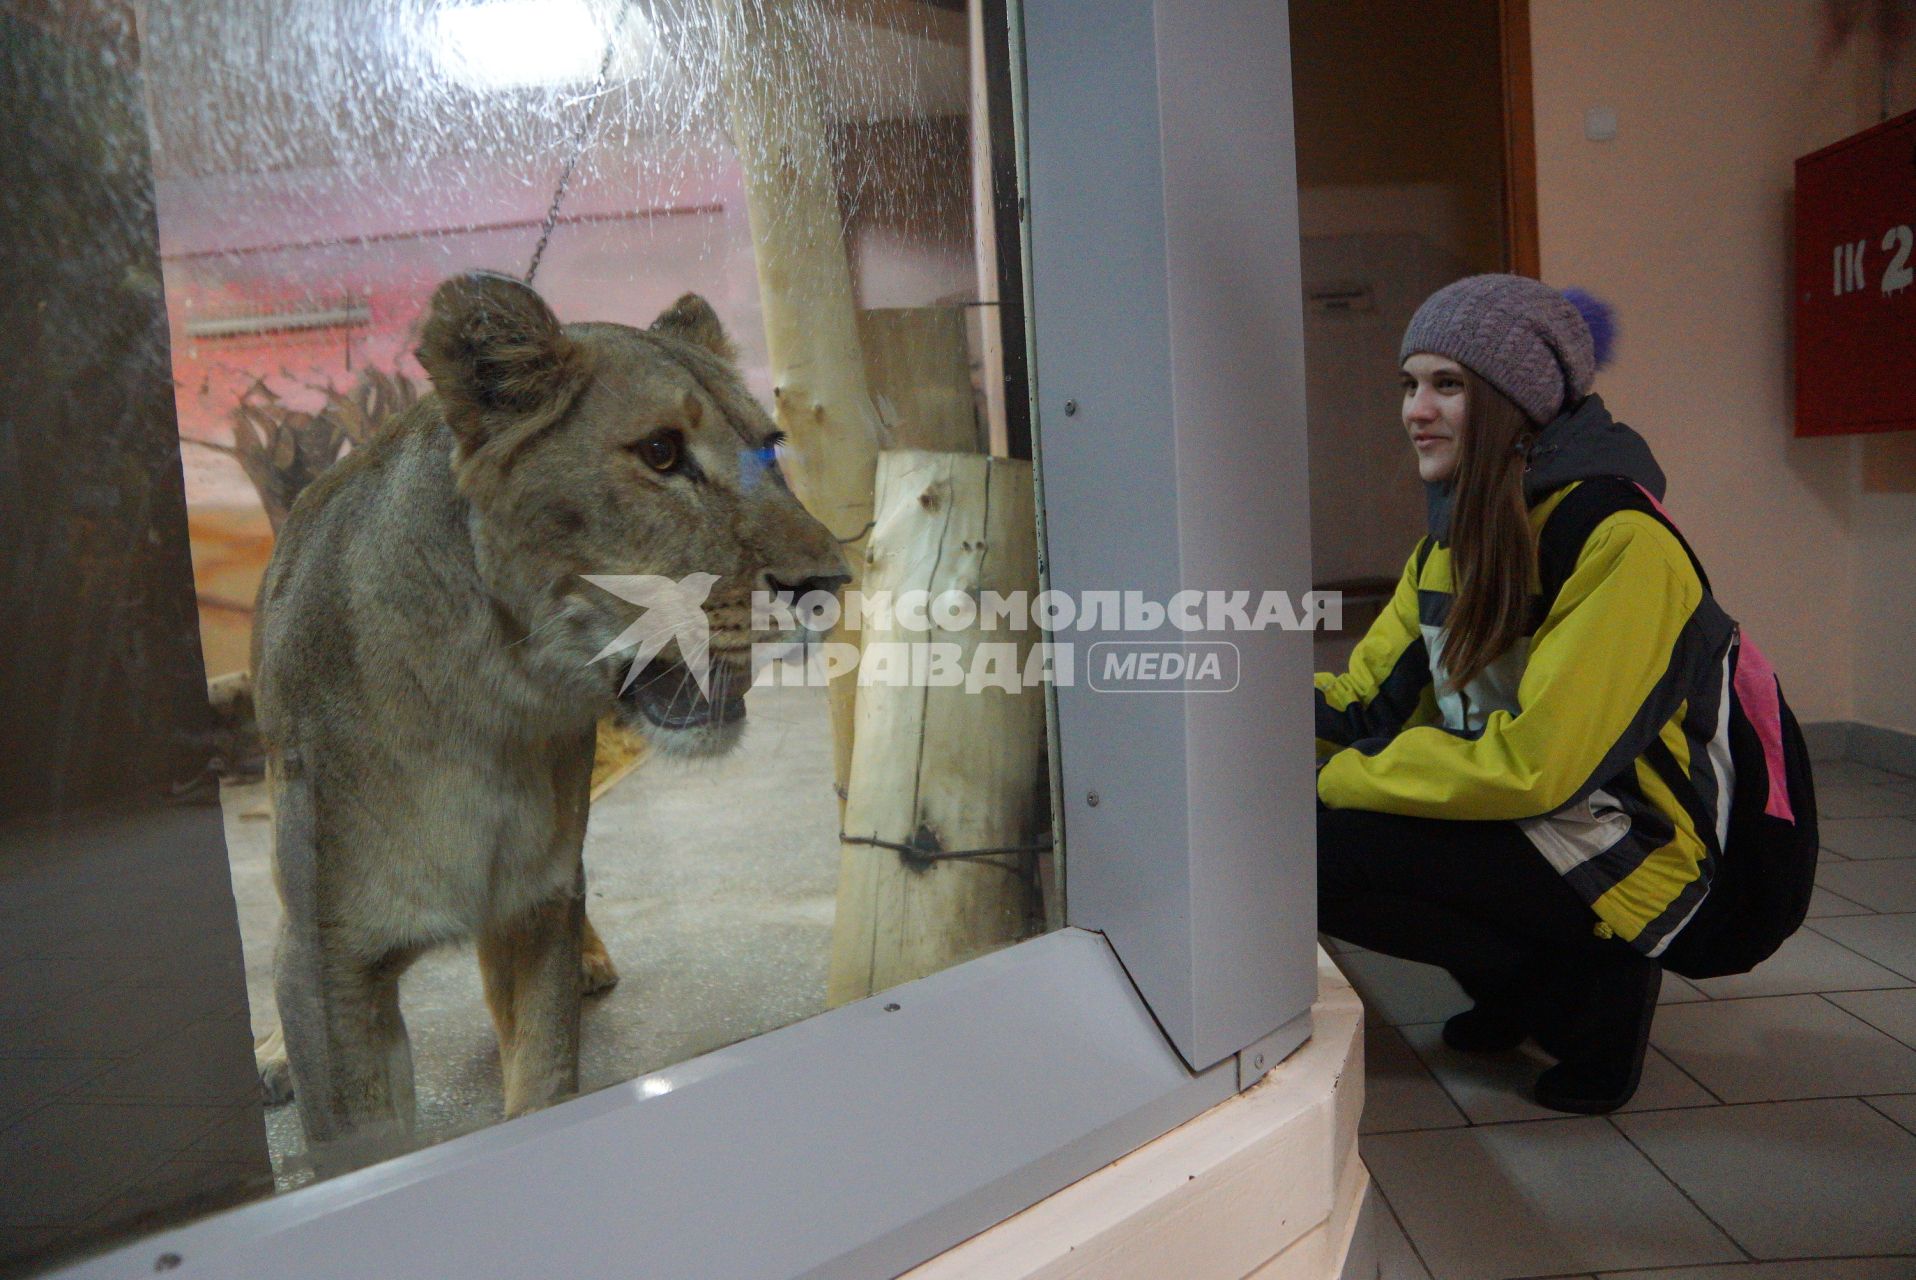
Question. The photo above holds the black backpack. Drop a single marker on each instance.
(1761, 888)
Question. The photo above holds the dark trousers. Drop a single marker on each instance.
(1476, 898)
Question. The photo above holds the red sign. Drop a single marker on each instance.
(1856, 283)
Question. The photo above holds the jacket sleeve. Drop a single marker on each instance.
(1388, 676)
(1599, 683)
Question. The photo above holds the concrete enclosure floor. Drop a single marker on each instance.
(712, 883)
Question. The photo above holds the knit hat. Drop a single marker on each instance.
(1539, 347)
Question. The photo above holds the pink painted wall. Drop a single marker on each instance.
(637, 234)
(1683, 221)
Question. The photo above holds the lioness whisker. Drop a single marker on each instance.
(685, 684)
(656, 677)
(554, 620)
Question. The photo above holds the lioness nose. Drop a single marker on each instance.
(791, 592)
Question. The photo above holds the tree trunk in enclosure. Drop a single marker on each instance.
(942, 769)
(798, 239)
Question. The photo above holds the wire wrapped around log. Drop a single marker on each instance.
(921, 856)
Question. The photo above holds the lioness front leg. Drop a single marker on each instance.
(346, 1043)
(531, 971)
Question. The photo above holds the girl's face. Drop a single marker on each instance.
(1434, 414)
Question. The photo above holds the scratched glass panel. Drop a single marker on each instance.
(505, 526)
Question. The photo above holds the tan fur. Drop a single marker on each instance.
(425, 684)
(596, 971)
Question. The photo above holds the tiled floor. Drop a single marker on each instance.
(1773, 1137)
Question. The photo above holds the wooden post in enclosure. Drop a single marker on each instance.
(918, 370)
(939, 770)
(798, 238)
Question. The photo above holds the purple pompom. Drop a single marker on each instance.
(1601, 317)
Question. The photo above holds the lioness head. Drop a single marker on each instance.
(637, 459)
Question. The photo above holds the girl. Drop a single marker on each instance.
(1528, 792)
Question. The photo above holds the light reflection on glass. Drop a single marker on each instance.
(509, 44)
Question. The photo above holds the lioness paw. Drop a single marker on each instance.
(596, 972)
(275, 1073)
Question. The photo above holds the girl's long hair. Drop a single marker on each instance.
(1492, 556)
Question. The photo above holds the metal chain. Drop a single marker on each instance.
(579, 141)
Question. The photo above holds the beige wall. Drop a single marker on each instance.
(1683, 222)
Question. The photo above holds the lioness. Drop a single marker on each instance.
(427, 684)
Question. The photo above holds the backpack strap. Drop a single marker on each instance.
(1564, 534)
(1424, 548)
(1577, 516)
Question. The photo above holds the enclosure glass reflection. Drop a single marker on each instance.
(553, 378)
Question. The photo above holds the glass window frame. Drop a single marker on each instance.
(1166, 347)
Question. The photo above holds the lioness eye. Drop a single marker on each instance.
(768, 452)
(663, 451)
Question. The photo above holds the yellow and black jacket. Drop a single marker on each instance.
(1626, 669)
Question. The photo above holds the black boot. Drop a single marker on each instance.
(1489, 1026)
(1505, 1008)
(1603, 1053)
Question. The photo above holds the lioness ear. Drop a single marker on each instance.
(494, 349)
(691, 319)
